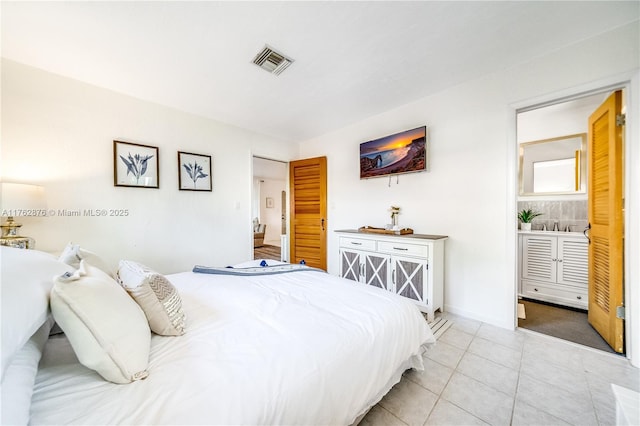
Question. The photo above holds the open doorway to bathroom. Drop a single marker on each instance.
(269, 210)
(555, 256)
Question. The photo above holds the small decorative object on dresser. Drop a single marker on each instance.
(526, 216)
(194, 172)
(19, 199)
(135, 165)
(395, 211)
(410, 265)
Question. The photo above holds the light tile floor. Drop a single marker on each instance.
(478, 374)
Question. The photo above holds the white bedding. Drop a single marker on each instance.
(297, 348)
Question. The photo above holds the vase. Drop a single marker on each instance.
(525, 226)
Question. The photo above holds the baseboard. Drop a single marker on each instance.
(502, 323)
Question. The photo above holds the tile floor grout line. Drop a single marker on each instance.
(515, 396)
(399, 419)
(593, 404)
(455, 369)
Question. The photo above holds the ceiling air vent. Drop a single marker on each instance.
(272, 61)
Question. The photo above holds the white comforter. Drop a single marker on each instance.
(297, 348)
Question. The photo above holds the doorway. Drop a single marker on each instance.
(553, 261)
(269, 213)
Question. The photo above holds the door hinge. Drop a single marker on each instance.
(620, 312)
(621, 120)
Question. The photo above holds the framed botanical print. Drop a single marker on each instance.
(194, 172)
(135, 165)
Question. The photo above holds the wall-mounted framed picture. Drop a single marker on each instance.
(404, 152)
(269, 203)
(135, 165)
(194, 172)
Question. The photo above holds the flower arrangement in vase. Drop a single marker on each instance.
(395, 211)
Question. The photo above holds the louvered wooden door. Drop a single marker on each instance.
(308, 183)
(606, 221)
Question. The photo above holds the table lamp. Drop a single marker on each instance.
(18, 199)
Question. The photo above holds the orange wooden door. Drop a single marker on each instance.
(308, 186)
(606, 286)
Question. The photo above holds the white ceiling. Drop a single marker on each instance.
(352, 59)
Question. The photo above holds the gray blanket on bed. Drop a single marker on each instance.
(258, 270)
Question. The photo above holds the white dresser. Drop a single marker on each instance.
(554, 267)
(410, 265)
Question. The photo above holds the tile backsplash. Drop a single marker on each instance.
(565, 213)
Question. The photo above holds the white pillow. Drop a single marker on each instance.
(106, 328)
(155, 294)
(73, 254)
(27, 278)
(17, 385)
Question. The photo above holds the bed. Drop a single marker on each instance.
(274, 344)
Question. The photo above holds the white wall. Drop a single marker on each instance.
(563, 119)
(469, 193)
(59, 133)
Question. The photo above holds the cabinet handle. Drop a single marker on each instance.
(579, 297)
(559, 260)
(356, 244)
(535, 289)
(400, 248)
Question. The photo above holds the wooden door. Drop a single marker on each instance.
(308, 186)
(606, 221)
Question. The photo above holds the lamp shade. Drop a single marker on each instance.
(15, 198)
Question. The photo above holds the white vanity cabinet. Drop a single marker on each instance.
(554, 267)
(409, 265)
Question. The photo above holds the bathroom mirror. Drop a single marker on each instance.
(553, 166)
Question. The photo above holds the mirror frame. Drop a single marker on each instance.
(580, 169)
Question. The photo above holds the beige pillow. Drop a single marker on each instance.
(107, 330)
(73, 254)
(155, 294)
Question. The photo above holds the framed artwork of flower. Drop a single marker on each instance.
(135, 165)
(194, 172)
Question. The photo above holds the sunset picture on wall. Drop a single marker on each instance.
(403, 152)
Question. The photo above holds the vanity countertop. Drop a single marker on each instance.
(556, 233)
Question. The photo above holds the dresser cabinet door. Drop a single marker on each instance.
(573, 262)
(410, 278)
(376, 270)
(539, 258)
(350, 264)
